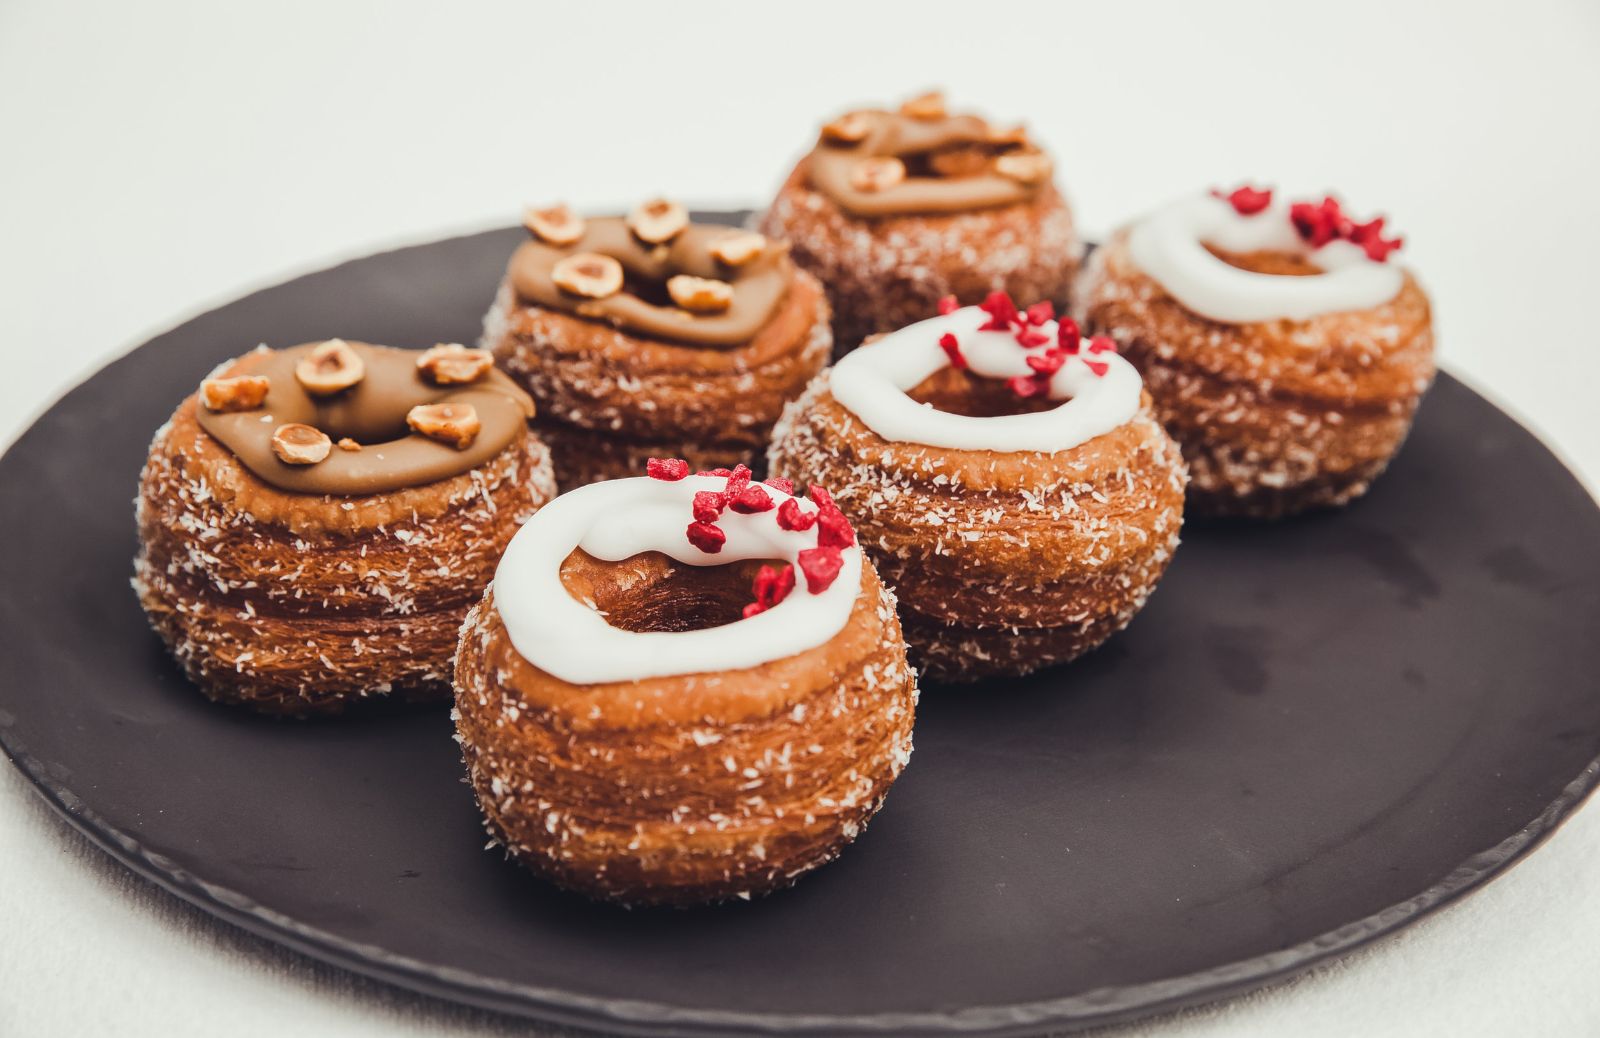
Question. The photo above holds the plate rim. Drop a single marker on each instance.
(1094, 1008)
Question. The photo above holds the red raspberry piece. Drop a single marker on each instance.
(1369, 236)
(738, 479)
(1247, 200)
(1320, 223)
(715, 472)
(948, 305)
(784, 584)
(669, 469)
(1039, 313)
(1001, 310)
(1068, 334)
(952, 349)
(833, 529)
(779, 483)
(753, 609)
(1099, 367)
(821, 567)
(708, 506)
(1027, 386)
(750, 500)
(706, 537)
(1028, 337)
(1047, 363)
(820, 495)
(792, 517)
(1102, 344)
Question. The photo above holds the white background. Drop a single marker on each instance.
(157, 158)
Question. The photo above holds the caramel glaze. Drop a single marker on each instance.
(831, 165)
(642, 305)
(373, 413)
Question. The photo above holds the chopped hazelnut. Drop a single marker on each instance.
(297, 444)
(658, 220)
(453, 424)
(738, 248)
(1026, 167)
(848, 129)
(557, 224)
(700, 295)
(877, 174)
(331, 368)
(452, 364)
(244, 393)
(959, 162)
(347, 444)
(925, 106)
(589, 274)
(1008, 136)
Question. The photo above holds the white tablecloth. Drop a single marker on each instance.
(161, 157)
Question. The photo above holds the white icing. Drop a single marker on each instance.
(872, 381)
(1170, 246)
(621, 518)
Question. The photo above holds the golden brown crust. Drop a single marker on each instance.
(686, 789)
(1003, 562)
(1274, 417)
(299, 604)
(609, 399)
(885, 273)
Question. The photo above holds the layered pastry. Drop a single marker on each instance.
(652, 336)
(1284, 346)
(1007, 476)
(682, 688)
(893, 211)
(315, 522)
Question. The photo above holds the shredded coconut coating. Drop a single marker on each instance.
(688, 789)
(1003, 562)
(885, 273)
(609, 400)
(1274, 417)
(299, 604)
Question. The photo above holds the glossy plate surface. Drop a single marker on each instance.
(1317, 731)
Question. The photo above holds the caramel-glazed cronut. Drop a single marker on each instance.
(296, 603)
(609, 399)
(883, 273)
(686, 789)
(1003, 563)
(1274, 417)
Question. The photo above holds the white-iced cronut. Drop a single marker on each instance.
(873, 383)
(1170, 246)
(619, 519)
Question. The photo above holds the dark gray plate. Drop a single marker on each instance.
(1318, 732)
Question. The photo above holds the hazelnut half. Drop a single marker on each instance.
(588, 274)
(297, 444)
(1008, 136)
(454, 424)
(959, 162)
(738, 248)
(925, 106)
(331, 368)
(557, 224)
(877, 174)
(657, 220)
(851, 128)
(452, 364)
(700, 295)
(244, 393)
(1025, 167)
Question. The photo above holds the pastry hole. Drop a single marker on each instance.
(1267, 262)
(959, 392)
(651, 592)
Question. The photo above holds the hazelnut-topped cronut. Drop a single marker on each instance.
(894, 210)
(651, 335)
(314, 522)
